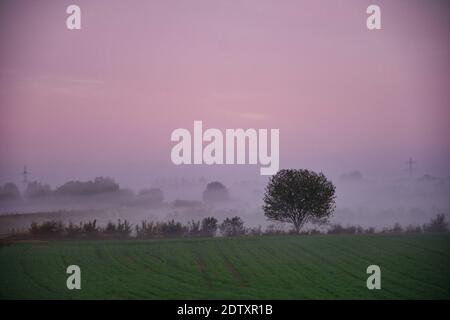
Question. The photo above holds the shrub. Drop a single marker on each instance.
(147, 230)
(413, 229)
(397, 228)
(47, 229)
(209, 226)
(194, 228)
(232, 227)
(256, 231)
(437, 224)
(74, 231)
(370, 230)
(273, 229)
(172, 229)
(90, 229)
(338, 229)
(121, 230)
(314, 231)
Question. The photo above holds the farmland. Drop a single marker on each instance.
(271, 267)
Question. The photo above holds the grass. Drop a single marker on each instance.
(285, 267)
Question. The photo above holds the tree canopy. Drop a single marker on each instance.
(298, 197)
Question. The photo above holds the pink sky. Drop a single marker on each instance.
(104, 100)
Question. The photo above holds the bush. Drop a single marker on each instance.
(147, 230)
(338, 229)
(437, 224)
(209, 227)
(90, 229)
(308, 232)
(273, 229)
(172, 229)
(232, 227)
(47, 229)
(119, 230)
(397, 228)
(413, 229)
(74, 231)
(370, 230)
(194, 228)
(256, 231)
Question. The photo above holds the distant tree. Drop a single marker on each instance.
(413, 229)
(187, 203)
(232, 227)
(83, 188)
(153, 193)
(397, 228)
(215, 192)
(172, 229)
(47, 229)
(437, 224)
(194, 229)
(73, 230)
(298, 197)
(351, 176)
(119, 230)
(153, 196)
(124, 193)
(9, 191)
(370, 230)
(147, 230)
(338, 229)
(36, 190)
(209, 226)
(90, 228)
(255, 231)
(274, 229)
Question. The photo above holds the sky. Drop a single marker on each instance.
(103, 100)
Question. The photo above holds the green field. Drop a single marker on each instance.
(285, 267)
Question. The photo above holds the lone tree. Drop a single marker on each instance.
(298, 197)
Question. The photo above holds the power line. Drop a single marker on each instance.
(410, 164)
(25, 176)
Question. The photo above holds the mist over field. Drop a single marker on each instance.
(359, 201)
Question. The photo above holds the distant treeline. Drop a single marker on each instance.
(34, 189)
(207, 227)
(214, 192)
